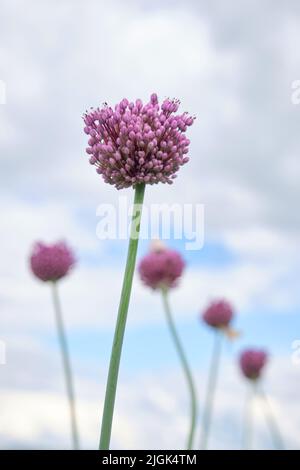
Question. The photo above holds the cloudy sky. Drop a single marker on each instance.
(232, 65)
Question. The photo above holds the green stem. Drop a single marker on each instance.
(248, 418)
(66, 364)
(274, 429)
(115, 357)
(211, 389)
(185, 367)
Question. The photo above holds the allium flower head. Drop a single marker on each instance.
(51, 262)
(252, 361)
(136, 143)
(161, 268)
(218, 314)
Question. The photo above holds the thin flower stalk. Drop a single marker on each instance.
(66, 364)
(50, 263)
(185, 368)
(217, 316)
(211, 390)
(112, 379)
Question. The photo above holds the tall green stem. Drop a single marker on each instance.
(185, 367)
(112, 379)
(66, 364)
(211, 389)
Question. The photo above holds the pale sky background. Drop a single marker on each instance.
(232, 64)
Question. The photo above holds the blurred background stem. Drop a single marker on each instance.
(66, 364)
(255, 391)
(115, 357)
(248, 417)
(211, 388)
(185, 367)
(270, 418)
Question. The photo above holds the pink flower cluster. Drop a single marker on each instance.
(252, 361)
(137, 143)
(161, 268)
(218, 314)
(51, 262)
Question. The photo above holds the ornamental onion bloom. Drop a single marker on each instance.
(252, 361)
(138, 143)
(51, 262)
(132, 145)
(161, 267)
(218, 314)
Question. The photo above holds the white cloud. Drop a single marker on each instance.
(90, 295)
(151, 408)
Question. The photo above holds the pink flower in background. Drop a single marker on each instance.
(161, 267)
(51, 262)
(252, 361)
(218, 314)
(136, 143)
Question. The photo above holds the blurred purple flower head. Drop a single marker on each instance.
(252, 362)
(136, 143)
(218, 314)
(161, 268)
(51, 262)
